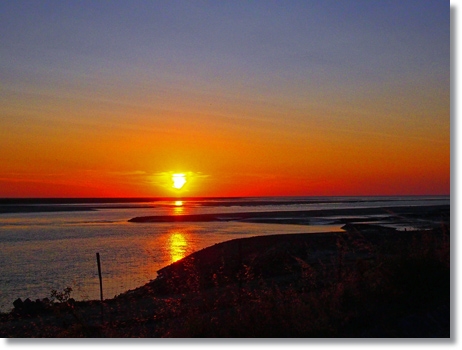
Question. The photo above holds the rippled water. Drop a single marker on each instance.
(45, 251)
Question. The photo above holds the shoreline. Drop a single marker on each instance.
(38, 205)
(424, 211)
(224, 277)
(237, 276)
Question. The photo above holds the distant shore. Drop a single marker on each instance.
(286, 216)
(12, 209)
(37, 205)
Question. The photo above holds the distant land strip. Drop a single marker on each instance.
(11, 209)
(421, 211)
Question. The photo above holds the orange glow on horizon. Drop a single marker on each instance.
(195, 114)
(227, 161)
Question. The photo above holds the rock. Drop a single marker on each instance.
(18, 304)
(39, 305)
(29, 307)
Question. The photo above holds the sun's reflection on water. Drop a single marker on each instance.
(178, 246)
(172, 245)
(178, 208)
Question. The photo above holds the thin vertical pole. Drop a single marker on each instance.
(100, 278)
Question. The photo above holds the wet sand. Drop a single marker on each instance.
(411, 211)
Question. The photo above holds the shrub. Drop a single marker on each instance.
(63, 296)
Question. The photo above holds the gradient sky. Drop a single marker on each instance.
(248, 98)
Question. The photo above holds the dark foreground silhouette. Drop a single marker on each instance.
(365, 282)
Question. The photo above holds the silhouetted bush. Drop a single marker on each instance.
(346, 285)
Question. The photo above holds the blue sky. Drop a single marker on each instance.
(348, 40)
(269, 74)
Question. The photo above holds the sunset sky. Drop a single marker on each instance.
(245, 98)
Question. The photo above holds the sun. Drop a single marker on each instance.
(179, 180)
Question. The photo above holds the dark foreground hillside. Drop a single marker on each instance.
(365, 282)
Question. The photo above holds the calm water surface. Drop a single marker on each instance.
(45, 251)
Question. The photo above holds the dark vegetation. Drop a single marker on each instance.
(364, 282)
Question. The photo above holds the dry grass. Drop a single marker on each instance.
(360, 286)
(365, 297)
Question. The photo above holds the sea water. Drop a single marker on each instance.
(42, 251)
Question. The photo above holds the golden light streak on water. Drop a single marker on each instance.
(178, 245)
